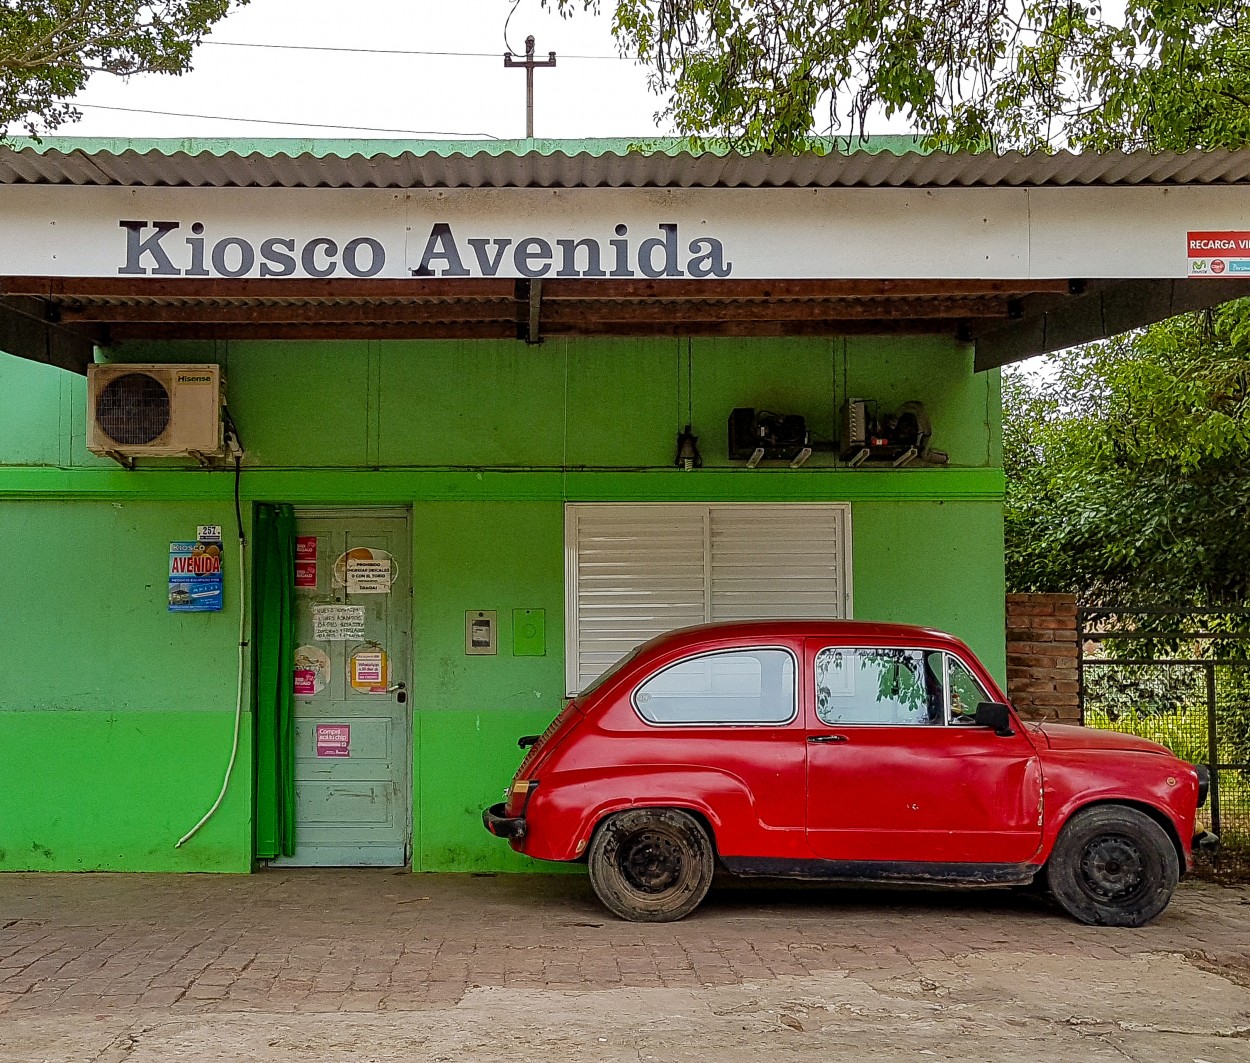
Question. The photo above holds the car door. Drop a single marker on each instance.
(893, 772)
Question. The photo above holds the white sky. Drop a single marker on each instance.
(413, 94)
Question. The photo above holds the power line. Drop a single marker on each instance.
(282, 121)
(386, 51)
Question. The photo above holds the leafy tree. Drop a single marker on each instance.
(49, 49)
(1129, 469)
(1164, 74)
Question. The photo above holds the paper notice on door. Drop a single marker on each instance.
(367, 672)
(305, 561)
(312, 670)
(338, 623)
(334, 740)
(368, 576)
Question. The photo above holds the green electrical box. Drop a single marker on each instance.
(529, 632)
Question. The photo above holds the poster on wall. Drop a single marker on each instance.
(195, 579)
(305, 561)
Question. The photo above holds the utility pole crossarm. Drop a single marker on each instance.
(530, 64)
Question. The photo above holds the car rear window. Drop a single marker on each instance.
(746, 686)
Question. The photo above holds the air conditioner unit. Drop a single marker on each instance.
(155, 411)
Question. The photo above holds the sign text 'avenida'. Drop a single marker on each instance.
(165, 249)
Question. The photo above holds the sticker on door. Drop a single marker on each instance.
(334, 740)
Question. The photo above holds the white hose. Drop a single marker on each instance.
(238, 703)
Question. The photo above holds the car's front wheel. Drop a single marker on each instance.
(1113, 866)
(651, 865)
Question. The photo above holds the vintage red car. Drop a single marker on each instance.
(842, 751)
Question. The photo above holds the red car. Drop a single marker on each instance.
(842, 751)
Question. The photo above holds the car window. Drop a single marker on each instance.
(965, 693)
(876, 686)
(737, 686)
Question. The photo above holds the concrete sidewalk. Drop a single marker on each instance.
(384, 965)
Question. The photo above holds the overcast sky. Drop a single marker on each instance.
(360, 92)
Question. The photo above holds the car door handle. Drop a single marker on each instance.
(826, 738)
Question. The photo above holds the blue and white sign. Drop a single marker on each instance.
(195, 580)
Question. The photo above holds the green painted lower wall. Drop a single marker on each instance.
(118, 722)
(114, 791)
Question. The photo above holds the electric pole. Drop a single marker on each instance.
(530, 65)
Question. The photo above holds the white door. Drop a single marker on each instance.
(352, 671)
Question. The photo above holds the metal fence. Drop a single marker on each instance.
(1180, 677)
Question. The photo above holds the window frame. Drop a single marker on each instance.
(947, 657)
(723, 652)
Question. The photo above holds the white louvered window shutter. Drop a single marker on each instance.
(633, 571)
(777, 562)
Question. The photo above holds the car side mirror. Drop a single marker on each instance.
(995, 715)
(525, 741)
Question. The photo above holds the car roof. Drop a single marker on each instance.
(851, 631)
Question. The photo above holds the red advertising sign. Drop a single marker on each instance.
(1224, 244)
(1218, 253)
(305, 561)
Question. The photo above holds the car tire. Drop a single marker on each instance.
(1113, 866)
(651, 865)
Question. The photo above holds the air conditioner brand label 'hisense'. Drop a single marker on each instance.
(164, 249)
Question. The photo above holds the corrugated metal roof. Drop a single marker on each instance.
(896, 162)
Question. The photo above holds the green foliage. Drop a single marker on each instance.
(49, 49)
(1129, 468)
(1183, 729)
(1163, 74)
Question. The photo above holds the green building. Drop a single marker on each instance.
(457, 380)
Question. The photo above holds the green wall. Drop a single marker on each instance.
(121, 713)
(117, 716)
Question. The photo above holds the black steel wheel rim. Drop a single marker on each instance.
(1113, 870)
(651, 861)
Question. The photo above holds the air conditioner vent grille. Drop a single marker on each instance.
(133, 409)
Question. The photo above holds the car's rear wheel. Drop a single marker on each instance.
(1113, 866)
(651, 865)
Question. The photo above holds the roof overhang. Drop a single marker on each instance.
(1016, 254)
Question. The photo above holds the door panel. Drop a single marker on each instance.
(921, 790)
(352, 745)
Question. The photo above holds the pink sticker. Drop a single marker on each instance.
(334, 740)
(305, 681)
(305, 561)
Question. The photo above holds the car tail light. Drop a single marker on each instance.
(518, 795)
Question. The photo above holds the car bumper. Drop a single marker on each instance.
(1206, 842)
(501, 826)
(1204, 783)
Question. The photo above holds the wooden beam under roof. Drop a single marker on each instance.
(564, 314)
(60, 288)
(1105, 309)
(507, 329)
(29, 328)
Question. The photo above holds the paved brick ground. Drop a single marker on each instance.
(375, 941)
